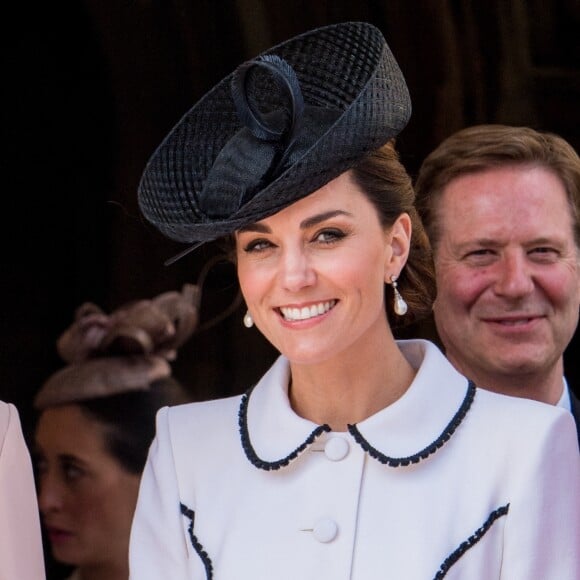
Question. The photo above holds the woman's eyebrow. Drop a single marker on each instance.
(305, 224)
(255, 227)
(321, 217)
(67, 457)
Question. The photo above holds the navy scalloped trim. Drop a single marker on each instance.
(471, 541)
(247, 444)
(188, 513)
(431, 448)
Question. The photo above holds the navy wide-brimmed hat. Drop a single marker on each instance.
(277, 129)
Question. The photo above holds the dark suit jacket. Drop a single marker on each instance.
(576, 412)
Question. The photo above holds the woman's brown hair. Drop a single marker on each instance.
(386, 183)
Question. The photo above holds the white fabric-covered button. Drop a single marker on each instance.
(336, 448)
(325, 530)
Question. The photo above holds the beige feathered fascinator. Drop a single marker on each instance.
(126, 350)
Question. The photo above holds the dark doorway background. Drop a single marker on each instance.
(91, 87)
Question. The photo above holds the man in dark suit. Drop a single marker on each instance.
(501, 206)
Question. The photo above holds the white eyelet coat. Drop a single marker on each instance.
(491, 492)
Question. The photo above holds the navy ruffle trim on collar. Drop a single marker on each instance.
(353, 430)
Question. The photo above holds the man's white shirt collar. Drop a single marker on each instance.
(564, 401)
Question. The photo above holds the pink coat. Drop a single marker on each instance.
(21, 556)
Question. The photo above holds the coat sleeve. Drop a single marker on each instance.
(542, 536)
(21, 553)
(158, 545)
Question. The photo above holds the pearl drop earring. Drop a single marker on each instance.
(399, 306)
(248, 320)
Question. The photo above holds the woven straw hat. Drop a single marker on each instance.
(277, 129)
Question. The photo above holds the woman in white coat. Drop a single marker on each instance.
(355, 456)
(20, 542)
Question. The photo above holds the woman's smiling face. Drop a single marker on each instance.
(313, 274)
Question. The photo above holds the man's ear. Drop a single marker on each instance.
(399, 236)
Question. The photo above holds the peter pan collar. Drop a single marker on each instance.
(407, 431)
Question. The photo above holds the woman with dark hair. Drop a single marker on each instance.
(97, 421)
(356, 456)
